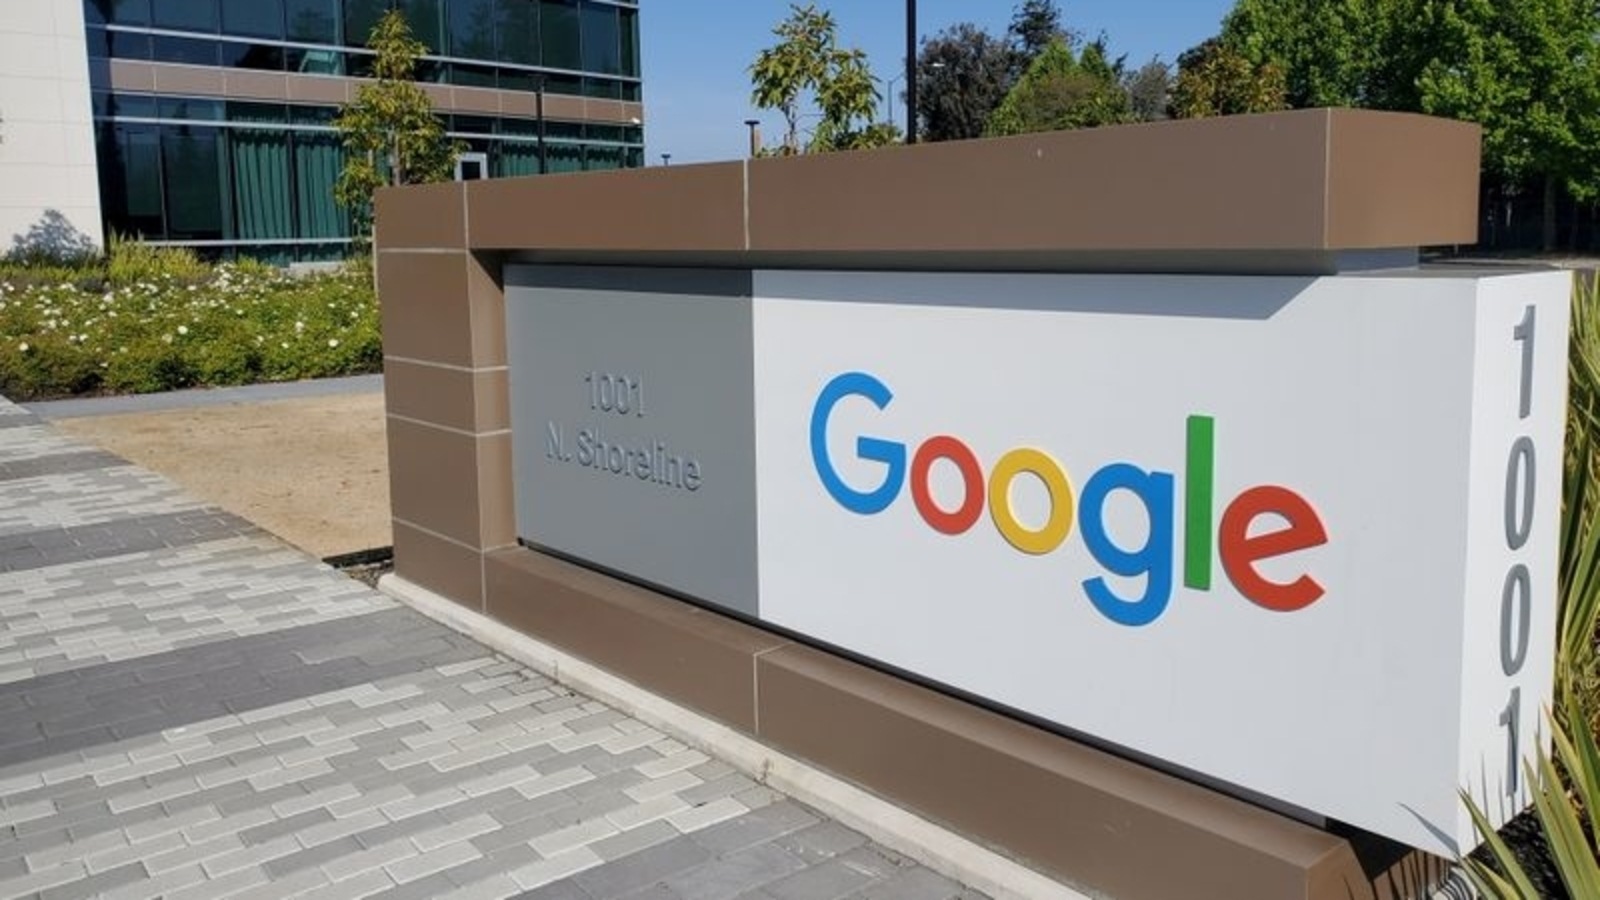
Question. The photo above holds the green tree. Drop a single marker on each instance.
(1331, 52)
(1035, 25)
(390, 133)
(808, 60)
(1528, 71)
(1149, 90)
(1216, 80)
(1060, 91)
(963, 74)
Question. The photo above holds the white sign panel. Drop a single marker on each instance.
(1296, 535)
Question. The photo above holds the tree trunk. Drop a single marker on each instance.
(1549, 213)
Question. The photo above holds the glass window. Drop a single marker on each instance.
(252, 56)
(517, 80)
(193, 170)
(635, 157)
(185, 15)
(311, 115)
(472, 29)
(426, 20)
(260, 173)
(183, 50)
(131, 179)
(601, 47)
(133, 106)
(245, 111)
(96, 12)
(631, 91)
(127, 12)
(99, 43)
(602, 87)
(472, 124)
(189, 108)
(312, 21)
(359, 17)
(628, 29)
(253, 18)
(604, 158)
(317, 160)
(473, 76)
(515, 158)
(313, 62)
(558, 34)
(565, 158)
(517, 31)
(128, 46)
(563, 84)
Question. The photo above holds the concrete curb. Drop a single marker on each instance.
(936, 847)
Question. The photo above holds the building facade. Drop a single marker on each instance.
(213, 119)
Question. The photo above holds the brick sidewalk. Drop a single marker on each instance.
(191, 708)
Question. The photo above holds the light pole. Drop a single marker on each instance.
(911, 71)
(888, 96)
(666, 159)
(755, 136)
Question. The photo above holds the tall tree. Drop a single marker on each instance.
(390, 133)
(963, 73)
(808, 60)
(1528, 71)
(1060, 91)
(1034, 26)
(1331, 52)
(1216, 80)
(1149, 90)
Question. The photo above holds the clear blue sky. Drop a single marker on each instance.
(696, 52)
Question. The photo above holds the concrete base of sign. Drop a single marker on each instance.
(949, 777)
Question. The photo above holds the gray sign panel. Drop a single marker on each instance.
(632, 412)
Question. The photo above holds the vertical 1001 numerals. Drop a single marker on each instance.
(1516, 592)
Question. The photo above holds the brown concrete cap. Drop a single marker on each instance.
(1310, 180)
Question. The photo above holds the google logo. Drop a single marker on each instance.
(1300, 527)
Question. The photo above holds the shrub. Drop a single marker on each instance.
(182, 323)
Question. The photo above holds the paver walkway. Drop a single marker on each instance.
(191, 708)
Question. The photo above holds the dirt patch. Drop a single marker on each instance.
(314, 471)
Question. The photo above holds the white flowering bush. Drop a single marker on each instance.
(89, 331)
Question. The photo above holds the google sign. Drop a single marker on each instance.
(1155, 491)
(1253, 527)
(1294, 537)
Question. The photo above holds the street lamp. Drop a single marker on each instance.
(888, 96)
(666, 159)
(755, 136)
(911, 71)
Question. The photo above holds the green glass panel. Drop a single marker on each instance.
(359, 17)
(317, 159)
(517, 31)
(426, 18)
(602, 48)
(128, 12)
(472, 29)
(516, 158)
(194, 172)
(312, 21)
(131, 180)
(253, 18)
(190, 108)
(628, 29)
(261, 194)
(604, 158)
(566, 158)
(185, 15)
(559, 33)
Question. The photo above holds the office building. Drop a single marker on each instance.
(209, 122)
